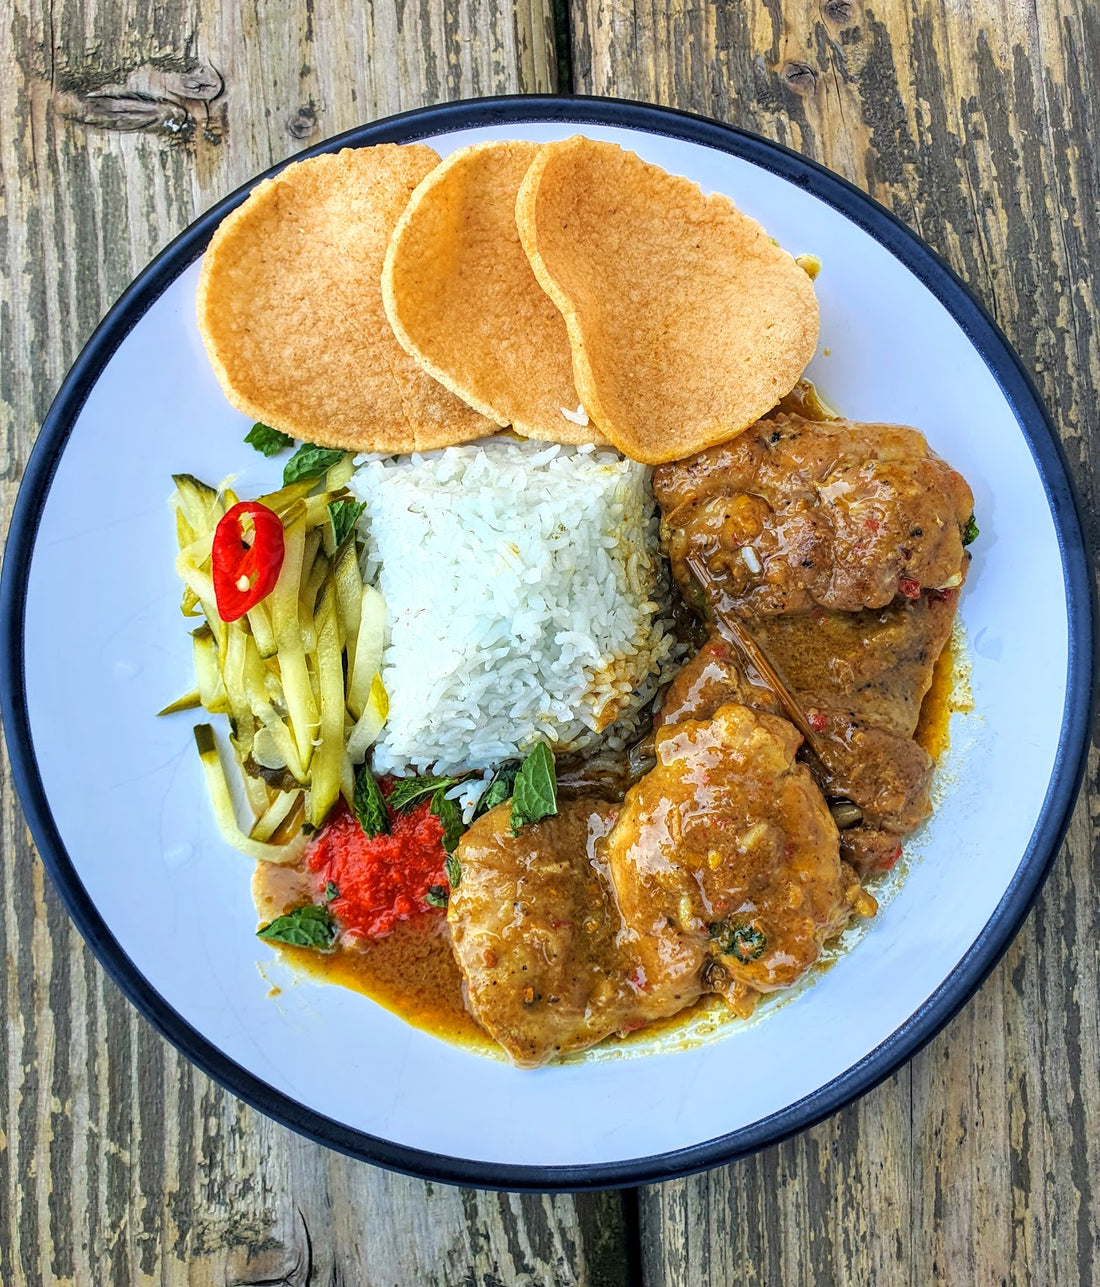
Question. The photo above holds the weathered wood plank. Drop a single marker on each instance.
(118, 1162)
(976, 123)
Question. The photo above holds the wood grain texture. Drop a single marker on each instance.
(119, 1163)
(976, 122)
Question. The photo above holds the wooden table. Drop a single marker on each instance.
(978, 122)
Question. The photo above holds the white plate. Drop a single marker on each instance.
(95, 645)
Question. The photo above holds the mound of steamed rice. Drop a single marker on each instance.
(525, 599)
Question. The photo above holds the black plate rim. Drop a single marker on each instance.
(1039, 854)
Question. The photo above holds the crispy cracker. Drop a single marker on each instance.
(687, 322)
(463, 301)
(290, 308)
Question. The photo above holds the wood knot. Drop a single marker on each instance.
(304, 121)
(201, 84)
(801, 77)
(167, 97)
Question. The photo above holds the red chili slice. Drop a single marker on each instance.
(246, 557)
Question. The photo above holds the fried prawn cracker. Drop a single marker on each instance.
(686, 321)
(290, 308)
(462, 299)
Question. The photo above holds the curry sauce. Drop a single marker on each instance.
(949, 695)
(410, 970)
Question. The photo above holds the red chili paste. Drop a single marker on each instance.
(381, 879)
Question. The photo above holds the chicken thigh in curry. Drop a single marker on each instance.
(728, 851)
(795, 514)
(538, 936)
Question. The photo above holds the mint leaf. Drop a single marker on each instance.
(370, 804)
(344, 515)
(453, 868)
(499, 789)
(450, 815)
(407, 791)
(267, 441)
(436, 896)
(970, 531)
(309, 926)
(535, 791)
(310, 461)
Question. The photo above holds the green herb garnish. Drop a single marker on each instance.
(744, 942)
(331, 891)
(308, 926)
(370, 804)
(267, 441)
(436, 896)
(407, 791)
(344, 515)
(970, 531)
(453, 868)
(535, 790)
(450, 815)
(310, 461)
(499, 789)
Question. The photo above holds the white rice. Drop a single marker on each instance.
(525, 599)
